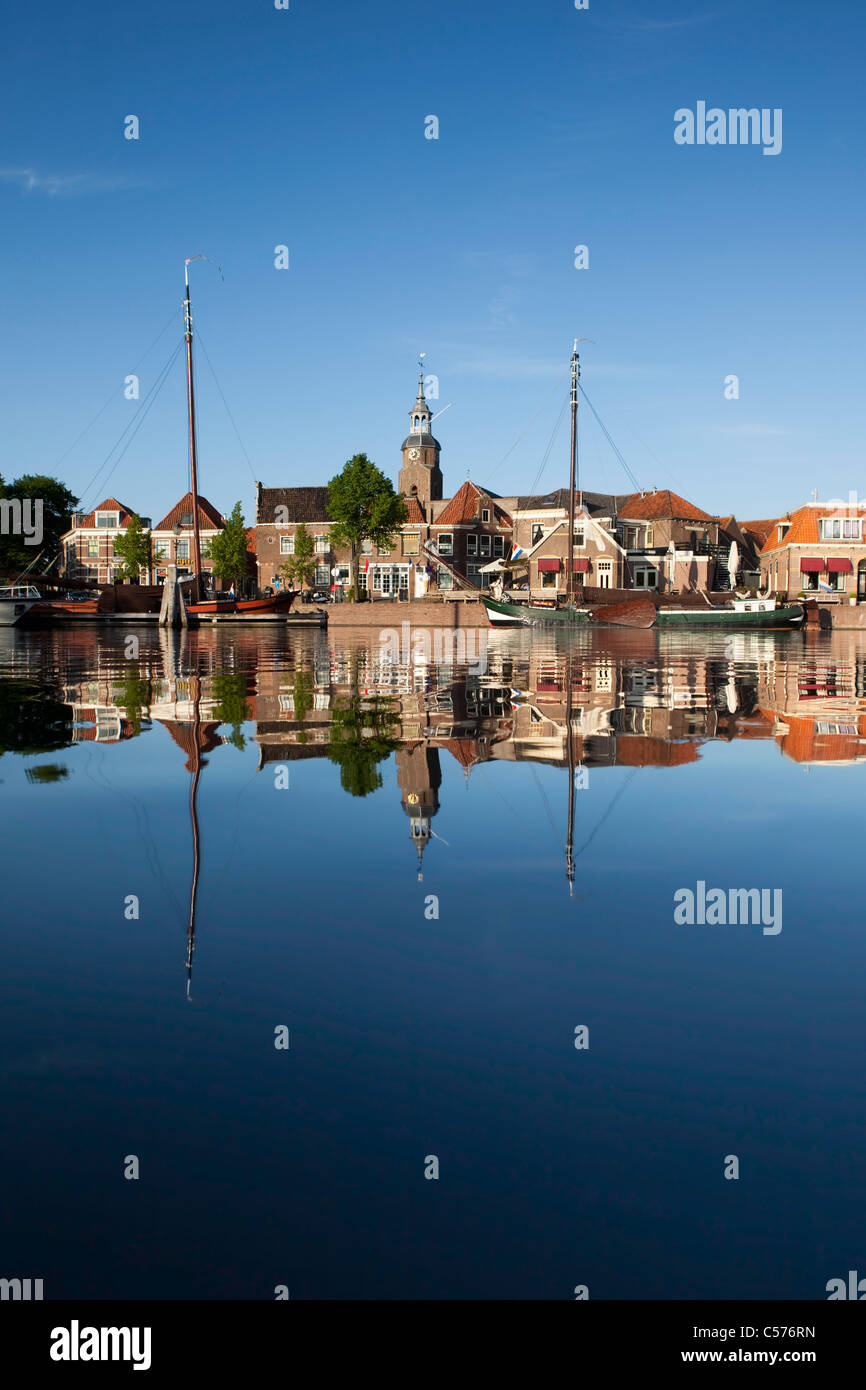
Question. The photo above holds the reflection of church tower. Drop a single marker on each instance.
(419, 778)
(420, 475)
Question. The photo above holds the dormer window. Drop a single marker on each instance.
(485, 513)
(838, 528)
(107, 520)
(784, 528)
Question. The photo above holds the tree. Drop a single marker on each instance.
(228, 549)
(133, 547)
(57, 502)
(364, 507)
(362, 736)
(300, 567)
(230, 705)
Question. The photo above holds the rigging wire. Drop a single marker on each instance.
(103, 408)
(546, 456)
(528, 427)
(200, 341)
(135, 423)
(636, 485)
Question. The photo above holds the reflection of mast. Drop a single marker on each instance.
(569, 844)
(193, 816)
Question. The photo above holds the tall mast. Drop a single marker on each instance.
(572, 482)
(193, 468)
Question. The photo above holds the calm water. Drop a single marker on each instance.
(293, 784)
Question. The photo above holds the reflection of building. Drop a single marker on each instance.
(818, 703)
(419, 778)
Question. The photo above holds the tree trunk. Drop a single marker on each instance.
(354, 574)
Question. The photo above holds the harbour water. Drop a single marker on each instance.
(229, 840)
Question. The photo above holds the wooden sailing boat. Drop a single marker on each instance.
(631, 613)
(214, 603)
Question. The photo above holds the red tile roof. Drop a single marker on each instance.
(758, 531)
(465, 506)
(209, 518)
(803, 529)
(413, 506)
(110, 504)
(661, 505)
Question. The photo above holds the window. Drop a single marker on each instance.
(322, 545)
(485, 513)
(648, 540)
(498, 547)
(471, 545)
(366, 547)
(443, 578)
(484, 547)
(411, 545)
(93, 547)
(287, 545)
(382, 550)
(362, 581)
(537, 533)
(823, 727)
(548, 579)
(323, 577)
(604, 573)
(445, 544)
(475, 577)
(645, 577)
(160, 550)
(181, 550)
(579, 535)
(840, 528)
(107, 520)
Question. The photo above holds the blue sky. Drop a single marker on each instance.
(306, 127)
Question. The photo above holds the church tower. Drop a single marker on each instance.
(419, 778)
(420, 475)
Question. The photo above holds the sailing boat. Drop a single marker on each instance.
(631, 613)
(215, 603)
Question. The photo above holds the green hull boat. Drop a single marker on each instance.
(745, 613)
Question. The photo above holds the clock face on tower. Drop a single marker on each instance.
(414, 453)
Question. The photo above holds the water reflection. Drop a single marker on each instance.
(555, 794)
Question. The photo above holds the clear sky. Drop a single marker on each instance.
(306, 127)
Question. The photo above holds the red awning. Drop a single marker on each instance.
(812, 566)
(549, 565)
(842, 566)
(581, 566)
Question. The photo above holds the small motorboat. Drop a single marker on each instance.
(15, 601)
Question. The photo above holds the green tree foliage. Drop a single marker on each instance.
(365, 507)
(134, 549)
(228, 548)
(362, 731)
(230, 705)
(57, 503)
(134, 697)
(45, 773)
(300, 568)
